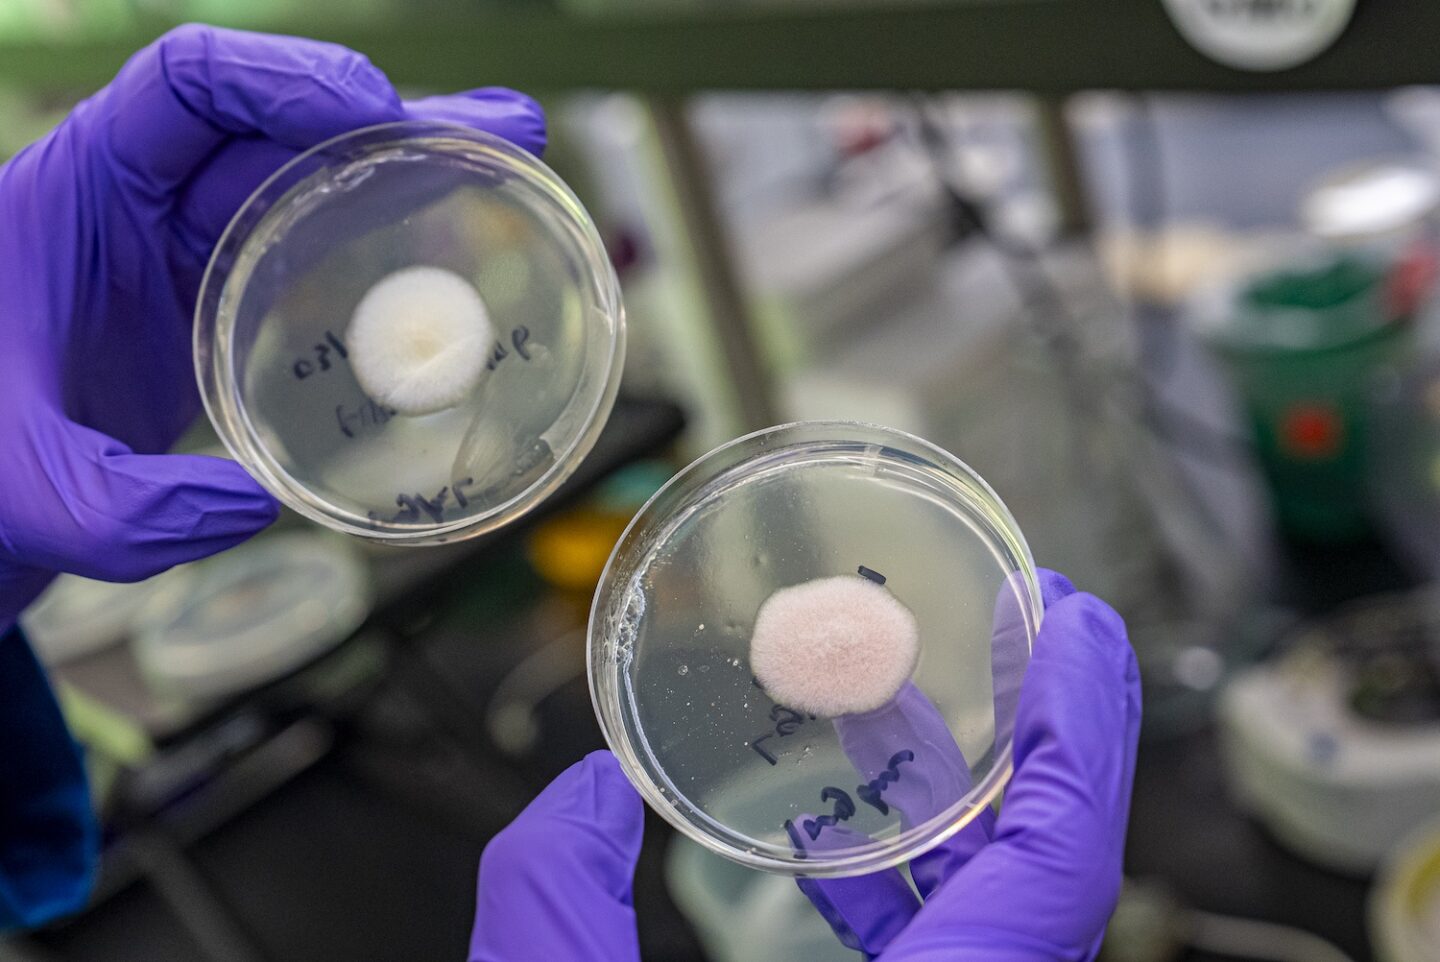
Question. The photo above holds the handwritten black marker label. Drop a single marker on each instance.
(787, 722)
(303, 367)
(844, 811)
(844, 806)
(870, 793)
(871, 574)
(519, 340)
(368, 414)
(331, 347)
(417, 506)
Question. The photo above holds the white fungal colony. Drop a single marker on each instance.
(834, 646)
(419, 340)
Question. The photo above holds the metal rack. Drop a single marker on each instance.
(1041, 46)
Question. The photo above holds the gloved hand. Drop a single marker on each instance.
(1035, 885)
(105, 229)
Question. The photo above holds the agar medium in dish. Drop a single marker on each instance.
(781, 709)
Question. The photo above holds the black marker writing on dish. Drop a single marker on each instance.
(870, 793)
(787, 722)
(413, 506)
(304, 367)
(844, 810)
(519, 339)
(364, 415)
(871, 574)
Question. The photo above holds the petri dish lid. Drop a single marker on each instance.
(251, 614)
(785, 787)
(277, 359)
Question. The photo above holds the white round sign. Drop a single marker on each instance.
(1260, 34)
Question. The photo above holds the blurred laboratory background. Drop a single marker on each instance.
(1162, 272)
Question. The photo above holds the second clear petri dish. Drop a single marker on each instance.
(756, 757)
(251, 614)
(410, 333)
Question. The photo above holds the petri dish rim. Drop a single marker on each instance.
(213, 353)
(616, 712)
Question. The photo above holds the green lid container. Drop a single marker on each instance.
(1305, 344)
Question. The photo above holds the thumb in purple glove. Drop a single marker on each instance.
(555, 884)
(867, 912)
(1044, 888)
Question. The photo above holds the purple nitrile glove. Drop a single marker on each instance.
(867, 912)
(106, 225)
(1043, 887)
(555, 884)
(1036, 884)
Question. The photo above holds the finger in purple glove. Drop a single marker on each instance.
(98, 510)
(1045, 887)
(911, 763)
(1009, 657)
(927, 782)
(556, 883)
(501, 111)
(180, 98)
(243, 164)
(865, 912)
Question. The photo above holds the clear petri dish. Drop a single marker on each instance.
(251, 614)
(761, 782)
(277, 371)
